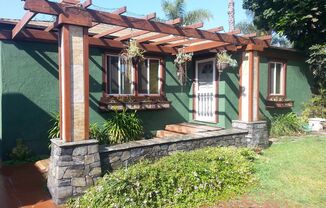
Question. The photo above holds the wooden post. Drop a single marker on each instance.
(74, 74)
(249, 85)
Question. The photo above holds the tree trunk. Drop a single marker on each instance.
(231, 15)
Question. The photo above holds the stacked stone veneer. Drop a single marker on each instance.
(123, 155)
(73, 167)
(257, 132)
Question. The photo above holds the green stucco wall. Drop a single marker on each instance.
(298, 82)
(29, 93)
(29, 82)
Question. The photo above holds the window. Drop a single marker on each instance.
(148, 76)
(120, 77)
(276, 78)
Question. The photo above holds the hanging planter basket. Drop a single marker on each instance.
(222, 66)
(136, 60)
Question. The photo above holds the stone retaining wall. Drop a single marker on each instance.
(122, 155)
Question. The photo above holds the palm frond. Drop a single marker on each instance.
(198, 15)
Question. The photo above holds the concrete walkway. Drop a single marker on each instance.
(23, 186)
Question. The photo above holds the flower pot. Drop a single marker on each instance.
(222, 66)
(135, 60)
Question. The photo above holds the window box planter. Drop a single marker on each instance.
(134, 103)
(279, 104)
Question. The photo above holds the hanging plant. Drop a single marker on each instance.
(133, 53)
(181, 63)
(224, 60)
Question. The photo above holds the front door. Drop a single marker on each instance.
(205, 91)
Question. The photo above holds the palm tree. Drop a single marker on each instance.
(231, 15)
(177, 9)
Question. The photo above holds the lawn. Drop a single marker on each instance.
(293, 172)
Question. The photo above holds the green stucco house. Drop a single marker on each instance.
(29, 87)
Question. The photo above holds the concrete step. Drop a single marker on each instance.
(164, 133)
(187, 128)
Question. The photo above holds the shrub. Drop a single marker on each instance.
(123, 127)
(286, 124)
(54, 131)
(21, 152)
(316, 106)
(98, 133)
(181, 180)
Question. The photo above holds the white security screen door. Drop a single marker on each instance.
(205, 90)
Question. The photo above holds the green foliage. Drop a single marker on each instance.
(98, 133)
(316, 106)
(302, 22)
(181, 180)
(286, 124)
(21, 152)
(317, 61)
(248, 28)
(54, 131)
(123, 127)
(177, 9)
(224, 58)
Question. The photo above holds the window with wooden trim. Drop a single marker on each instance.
(277, 79)
(121, 79)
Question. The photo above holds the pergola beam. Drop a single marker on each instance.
(216, 29)
(22, 23)
(193, 26)
(160, 35)
(139, 33)
(87, 4)
(52, 8)
(251, 35)
(51, 37)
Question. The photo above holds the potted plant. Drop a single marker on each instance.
(181, 64)
(133, 53)
(224, 60)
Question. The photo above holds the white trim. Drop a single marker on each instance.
(273, 70)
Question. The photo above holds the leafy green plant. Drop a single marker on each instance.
(182, 180)
(123, 127)
(54, 131)
(98, 133)
(20, 152)
(133, 53)
(286, 124)
(316, 106)
(224, 58)
(182, 58)
(317, 61)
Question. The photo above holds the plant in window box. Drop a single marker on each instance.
(224, 60)
(133, 53)
(181, 63)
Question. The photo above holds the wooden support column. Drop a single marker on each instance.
(249, 84)
(74, 74)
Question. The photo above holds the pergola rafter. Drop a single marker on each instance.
(22, 23)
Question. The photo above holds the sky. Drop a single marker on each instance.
(14, 9)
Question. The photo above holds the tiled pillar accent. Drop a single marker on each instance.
(74, 162)
(257, 132)
(74, 166)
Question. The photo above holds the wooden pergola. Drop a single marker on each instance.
(76, 28)
(113, 29)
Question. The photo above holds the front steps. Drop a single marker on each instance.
(183, 129)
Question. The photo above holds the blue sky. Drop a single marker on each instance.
(14, 9)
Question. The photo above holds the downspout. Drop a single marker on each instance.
(1, 44)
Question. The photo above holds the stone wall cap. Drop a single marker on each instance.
(170, 140)
(247, 122)
(61, 143)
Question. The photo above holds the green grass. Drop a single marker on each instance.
(293, 171)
